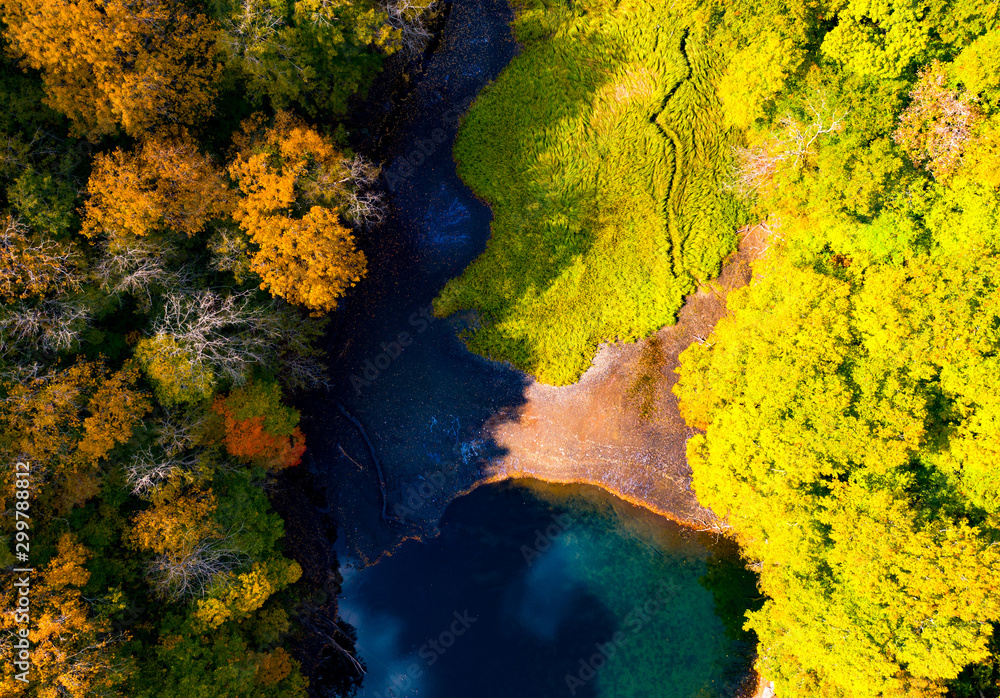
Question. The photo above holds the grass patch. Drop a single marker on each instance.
(601, 151)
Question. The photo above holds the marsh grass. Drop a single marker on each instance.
(601, 152)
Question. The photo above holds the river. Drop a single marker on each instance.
(415, 423)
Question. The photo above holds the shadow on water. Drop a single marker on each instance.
(537, 591)
(406, 391)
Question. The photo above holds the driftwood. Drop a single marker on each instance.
(371, 449)
(386, 516)
(332, 641)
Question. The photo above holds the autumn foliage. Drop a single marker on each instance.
(936, 126)
(71, 648)
(258, 428)
(158, 564)
(31, 267)
(67, 421)
(294, 187)
(164, 184)
(137, 63)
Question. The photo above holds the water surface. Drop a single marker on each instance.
(527, 592)
(542, 591)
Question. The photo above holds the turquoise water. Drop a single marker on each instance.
(536, 590)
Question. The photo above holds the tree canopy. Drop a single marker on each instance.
(847, 403)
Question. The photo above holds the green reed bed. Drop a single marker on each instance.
(601, 153)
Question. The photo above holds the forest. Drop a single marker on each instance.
(178, 211)
(848, 401)
(181, 210)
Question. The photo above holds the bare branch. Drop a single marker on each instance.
(145, 472)
(756, 165)
(224, 332)
(54, 324)
(194, 573)
(134, 266)
(33, 267)
(406, 19)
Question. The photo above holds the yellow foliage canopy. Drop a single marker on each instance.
(165, 184)
(176, 527)
(247, 592)
(71, 652)
(294, 185)
(66, 421)
(115, 409)
(138, 63)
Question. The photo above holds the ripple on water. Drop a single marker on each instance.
(444, 221)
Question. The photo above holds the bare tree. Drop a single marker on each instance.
(230, 253)
(938, 124)
(755, 166)
(225, 332)
(253, 33)
(146, 471)
(177, 432)
(231, 335)
(27, 373)
(135, 266)
(30, 267)
(367, 209)
(54, 325)
(351, 184)
(193, 573)
(407, 20)
(300, 371)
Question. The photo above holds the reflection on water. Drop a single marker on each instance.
(534, 590)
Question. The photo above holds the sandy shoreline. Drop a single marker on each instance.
(593, 432)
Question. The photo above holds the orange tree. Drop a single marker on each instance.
(258, 428)
(294, 187)
(105, 63)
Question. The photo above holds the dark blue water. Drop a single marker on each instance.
(404, 376)
(542, 592)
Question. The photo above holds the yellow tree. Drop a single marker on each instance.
(190, 549)
(137, 63)
(115, 409)
(164, 184)
(72, 652)
(176, 526)
(295, 187)
(64, 423)
(849, 427)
